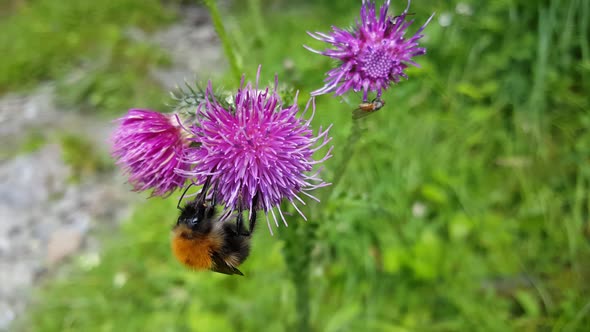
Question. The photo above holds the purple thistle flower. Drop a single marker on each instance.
(256, 148)
(149, 146)
(372, 55)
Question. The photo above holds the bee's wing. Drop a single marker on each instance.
(220, 266)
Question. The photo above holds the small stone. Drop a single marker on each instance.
(90, 260)
(120, 279)
(17, 274)
(419, 209)
(62, 243)
(7, 315)
(289, 64)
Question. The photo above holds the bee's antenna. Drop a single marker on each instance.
(181, 197)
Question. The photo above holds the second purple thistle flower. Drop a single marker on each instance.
(148, 146)
(373, 54)
(258, 151)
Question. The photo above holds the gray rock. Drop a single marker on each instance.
(45, 218)
(195, 49)
(62, 243)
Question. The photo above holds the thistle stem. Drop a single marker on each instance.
(234, 62)
(300, 241)
(254, 7)
(297, 251)
(345, 156)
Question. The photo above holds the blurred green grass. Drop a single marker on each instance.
(85, 47)
(465, 207)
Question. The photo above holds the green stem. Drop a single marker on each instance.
(299, 241)
(302, 275)
(298, 247)
(302, 303)
(236, 68)
(345, 156)
(254, 7)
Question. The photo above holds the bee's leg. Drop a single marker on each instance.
(252, 220)
(204, 189)
(239, 223)
(211, 207)
(210, 210)
(214, 197)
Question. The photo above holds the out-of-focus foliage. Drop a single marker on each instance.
(86, 46)
(83, 159)
(465, 207)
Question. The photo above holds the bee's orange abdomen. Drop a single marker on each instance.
(194, 251)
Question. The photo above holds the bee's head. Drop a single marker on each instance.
(191, 215)
(196, 216)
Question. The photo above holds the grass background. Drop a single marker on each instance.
(465, 206)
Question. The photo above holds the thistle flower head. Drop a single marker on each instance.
(257, 152)
(373, 54)
(149, 146)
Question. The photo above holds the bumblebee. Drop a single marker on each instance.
(201, 241)
(365, 109)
